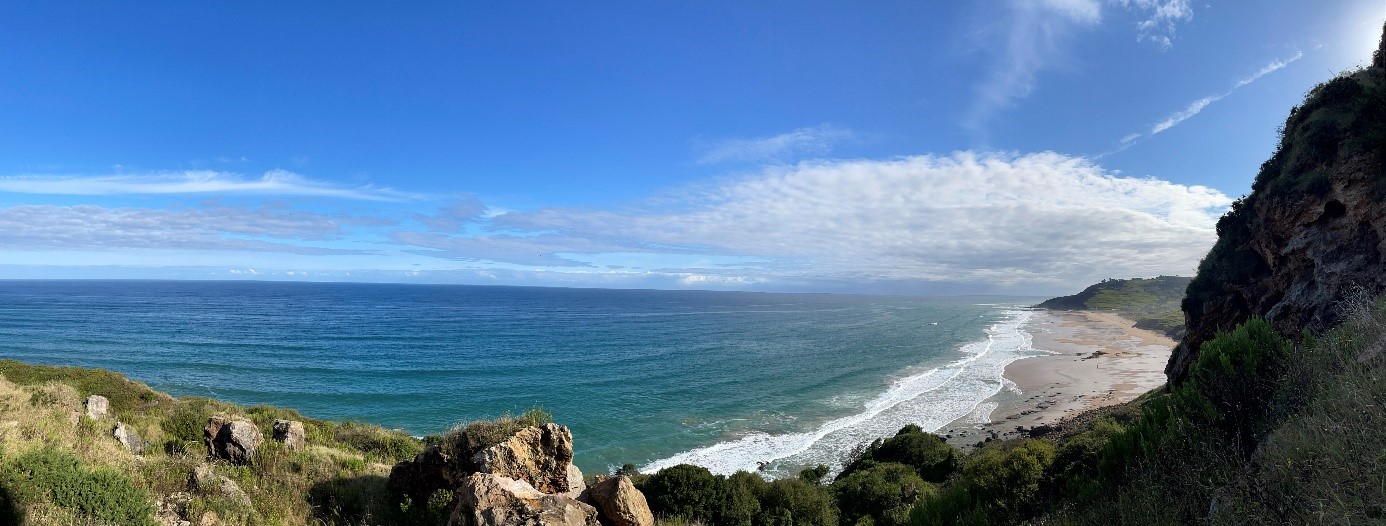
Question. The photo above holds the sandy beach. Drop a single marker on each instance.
(1098, 359)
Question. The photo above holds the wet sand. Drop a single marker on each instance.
(1098, 359)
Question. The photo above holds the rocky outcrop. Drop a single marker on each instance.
(1312, 228)
(97, 406)
(494, 500)
(620, 503)
(539, 455)
(290, 432)
(128, 438)
(235, 440)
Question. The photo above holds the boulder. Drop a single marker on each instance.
(128, 438)
(97, 406)
(290, 432)
(494, 500)
(620, 503)
(207, 482)
(417, 479)
(234, 440)
(539, 455)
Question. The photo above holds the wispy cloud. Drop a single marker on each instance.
(815, 140)
(1034, 36)
(273, 182)
(91, 227)
(1197, 106)
(1161, 19)
(982, 219)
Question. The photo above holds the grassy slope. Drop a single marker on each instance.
(339, 478)
(1153, 303)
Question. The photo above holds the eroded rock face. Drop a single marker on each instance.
(97, 406)
(128, 438)
(494, 500)
(620, 503)
(233, 440)
(290, 432)
(1309, 251)
(538, 455)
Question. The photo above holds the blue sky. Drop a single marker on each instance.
(919, 147)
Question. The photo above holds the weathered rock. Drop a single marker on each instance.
(493, 500)
(576, 484)
(207, 482)
(430, 471)
(290, 432)
(539, 455)
(620, 503)
(128, 438)
(233, 440)
(97, 406)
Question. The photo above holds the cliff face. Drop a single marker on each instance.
(1312, 227)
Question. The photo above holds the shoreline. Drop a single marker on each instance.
(1096, 359)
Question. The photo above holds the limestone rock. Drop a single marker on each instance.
(128, 438)
(207, 482)
(234, 440)
(97, 406)
(620, 503)
(290, 432)
(539, 455)
(431, 470)
(576, 485)
(493, 500)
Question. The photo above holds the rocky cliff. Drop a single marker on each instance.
(1311, 229)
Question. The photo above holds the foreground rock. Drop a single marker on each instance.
(290, 432)
(233, 440)
(620, 503)
(486, 499)
(128, 438)
(537, 455)
(97, 406)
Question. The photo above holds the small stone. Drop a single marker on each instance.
(97, 406)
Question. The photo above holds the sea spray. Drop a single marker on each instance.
(930, 399)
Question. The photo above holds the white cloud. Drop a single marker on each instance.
(816, 140)
(1162, 18)
(981, 219)
(1199, 105)
(1033, 37)
(1183, 115)
(90, 227)
(273, 182)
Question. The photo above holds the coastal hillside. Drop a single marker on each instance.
(1312, 227)
(1153, 303)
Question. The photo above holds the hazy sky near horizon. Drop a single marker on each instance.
(1002, 146)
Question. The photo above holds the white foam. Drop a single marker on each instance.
(930, 400)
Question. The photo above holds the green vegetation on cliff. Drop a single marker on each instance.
(1153, 303)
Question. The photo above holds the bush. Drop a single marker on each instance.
(58, 477)
(883, 491)
(795, 502)
(1234, 383)
(687, 491)
(382, 444)
(927, 453)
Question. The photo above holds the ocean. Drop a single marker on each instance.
(726, 380)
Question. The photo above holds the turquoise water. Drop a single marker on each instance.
(724, 379)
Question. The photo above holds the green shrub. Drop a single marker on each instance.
(795, 502)
(883, 491)
(382, 444)
(687, 491)
(465, 440)
(58, 477)
(1234, 383)
(927, 453)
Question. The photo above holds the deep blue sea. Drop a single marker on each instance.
(728, 380)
